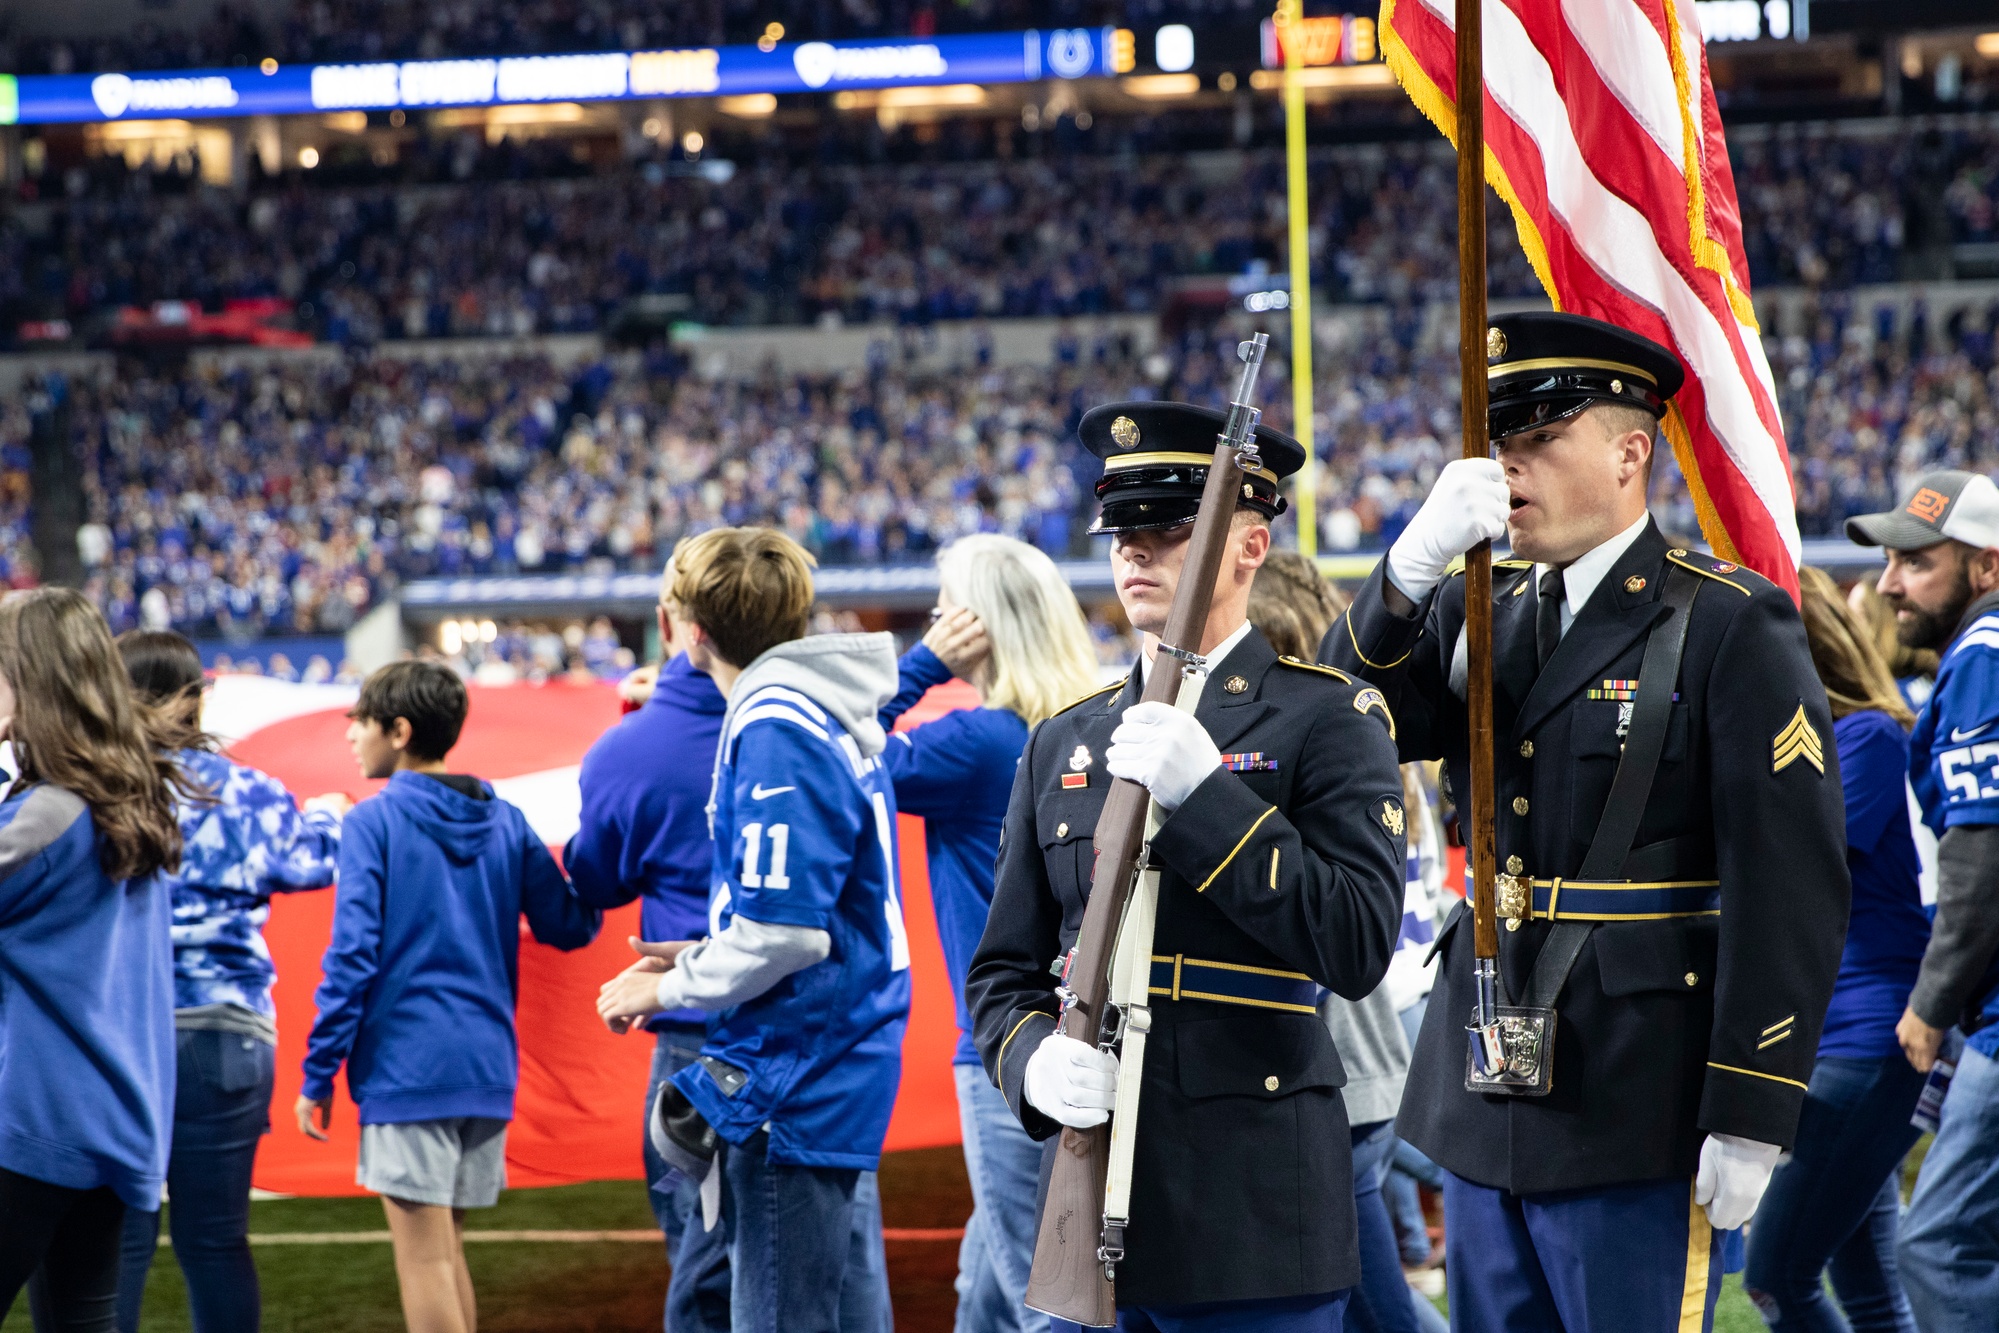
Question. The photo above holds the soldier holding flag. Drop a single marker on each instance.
(1673, 886)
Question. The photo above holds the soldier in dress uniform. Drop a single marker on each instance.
(1691, 896)
(1281, 859)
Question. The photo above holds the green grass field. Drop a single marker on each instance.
(596, 1287)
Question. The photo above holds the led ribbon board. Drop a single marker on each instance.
(788, 67)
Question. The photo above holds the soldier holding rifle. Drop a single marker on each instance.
(1278, 841)
(1673, 887)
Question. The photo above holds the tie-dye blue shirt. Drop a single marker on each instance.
(250, 843)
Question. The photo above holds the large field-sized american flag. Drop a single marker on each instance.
(1603, 137)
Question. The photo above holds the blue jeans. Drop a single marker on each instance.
(805, 1247)
(1383, 1302)
(1833, 1203)
(222, 1102)
(998, 1250)
(1950, 1235)
(697, 1292)
(1407, 1169)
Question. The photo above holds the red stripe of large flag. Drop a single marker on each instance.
(1603, 137)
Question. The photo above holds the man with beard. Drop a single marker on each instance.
(1943, 582)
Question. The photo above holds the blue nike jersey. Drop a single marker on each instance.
(1954, 750)
(805, 836)
(1954, 759)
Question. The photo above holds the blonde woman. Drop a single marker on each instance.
(1007, 623)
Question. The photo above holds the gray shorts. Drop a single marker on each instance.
(456, 1163)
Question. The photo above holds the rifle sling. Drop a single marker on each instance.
(1630, 787)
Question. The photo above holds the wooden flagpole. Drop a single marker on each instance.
(1479, 833)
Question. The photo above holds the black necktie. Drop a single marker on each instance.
(1548, 616)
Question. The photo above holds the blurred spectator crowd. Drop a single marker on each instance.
(292, 496)
(778, 243)
(764, 245)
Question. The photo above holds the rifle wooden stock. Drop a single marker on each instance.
(1068, 1279)
(1479, 844)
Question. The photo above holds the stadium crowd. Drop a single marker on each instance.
(291, 497)
(554, 251)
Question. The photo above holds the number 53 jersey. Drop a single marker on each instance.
(1954, 749)
(804, 828)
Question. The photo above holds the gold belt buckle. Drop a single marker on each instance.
(1514, 898)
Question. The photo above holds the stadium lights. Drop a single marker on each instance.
(551, 113)
(691, 143)
(1342, 77)
(747, 106)
(1161, 85)
(1987, 45)
(908, 99)
(1173, 48)
(308, 157)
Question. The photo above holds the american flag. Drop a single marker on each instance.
(1601, 134)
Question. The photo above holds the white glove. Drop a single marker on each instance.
(1164, 751)
(1071, 1082)
(1468, 505)
(1732, 1177)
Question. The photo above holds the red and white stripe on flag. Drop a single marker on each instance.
(1601, 134)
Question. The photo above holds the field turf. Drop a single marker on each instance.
(593, 1287)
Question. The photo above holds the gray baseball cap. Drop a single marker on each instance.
(1945, 506)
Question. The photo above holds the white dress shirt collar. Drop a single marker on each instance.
(1581, 575)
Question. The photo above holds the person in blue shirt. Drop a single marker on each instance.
(805, 969)
(420, 977)
(242, 840)
(1943, 581)
(1833, 1205)
(86, 958)
(643, 833)
(1007, 623)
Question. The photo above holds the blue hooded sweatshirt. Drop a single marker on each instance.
(424, 963)
(643, 828)
(86, 1006)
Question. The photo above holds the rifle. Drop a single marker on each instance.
(1076, 1251)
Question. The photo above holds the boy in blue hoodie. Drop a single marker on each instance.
(420, 979)
(805, 970)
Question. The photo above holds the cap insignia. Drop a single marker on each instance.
(1124, 433)
(1617, 386)
(1495, 344)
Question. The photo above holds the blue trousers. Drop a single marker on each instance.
(805, 1245)
(1950, 1236)
(998, 1250)
(222, 1100)
(1285, 1314)
(1832, 1205)
(1622, 1259)
(697, 1292)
